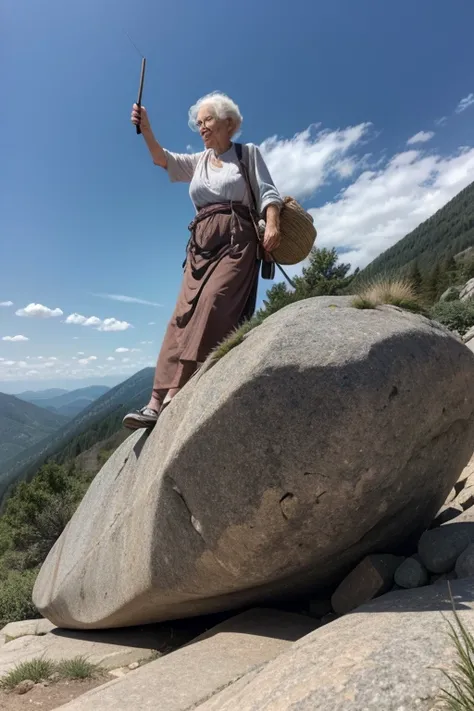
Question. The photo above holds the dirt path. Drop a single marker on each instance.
(49, 697)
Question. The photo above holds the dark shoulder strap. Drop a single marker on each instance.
(239, 149)
(239, 153)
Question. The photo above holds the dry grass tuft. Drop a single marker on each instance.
(394, 292)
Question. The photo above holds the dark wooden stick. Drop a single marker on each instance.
(140, 90)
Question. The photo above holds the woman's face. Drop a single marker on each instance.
(215, 132)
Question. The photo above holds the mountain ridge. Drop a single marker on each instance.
(449, 231)
(23, 424)
(96, 422)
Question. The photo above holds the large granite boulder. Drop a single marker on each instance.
(330, 433)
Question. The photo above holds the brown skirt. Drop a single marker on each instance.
(218, 292)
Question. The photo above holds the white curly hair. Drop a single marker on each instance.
(222, 107)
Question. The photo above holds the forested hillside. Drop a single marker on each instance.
(438, 239)
(23, 424)
(97, 422)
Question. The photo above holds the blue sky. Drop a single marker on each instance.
(332, 91)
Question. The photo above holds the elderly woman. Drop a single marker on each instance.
(224, 252)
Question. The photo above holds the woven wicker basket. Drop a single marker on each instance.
(298, 233)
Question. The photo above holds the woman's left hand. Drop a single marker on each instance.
(271, 238)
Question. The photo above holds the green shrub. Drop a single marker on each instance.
(35, 669)
(456, 315)
(37, 512)
(460, 697)
(41, 669)
(15, 596)
(77, 668)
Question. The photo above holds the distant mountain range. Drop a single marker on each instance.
(34, 395)
(97, 422)
(23, 425)
(443, 235)
(64, 402)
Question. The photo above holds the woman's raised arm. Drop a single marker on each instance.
(140, 118)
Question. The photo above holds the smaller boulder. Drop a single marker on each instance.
(469, 335)
(465, 563)
(372, 577)
(467, 291)
(411, 574)
(38, 627)
(451, 294)
(440, 547)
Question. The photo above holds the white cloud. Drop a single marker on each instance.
(151, 323)
(80, 353)
(15, 339)
(420, 137)
(382, 205)
(75, 338)
(135, 350)
(52, 358)
(111, 324)
(302, 164)
(38, 311)
(108, 324)
(122, 350)
(86, 361)
(32, 372)
(441, 121)
(10, 362)
(49, 364)
(465, 103)
(22, 364)
(146, 343)
(110, 358)
(125, 360)
(128, 299)
(6, 303)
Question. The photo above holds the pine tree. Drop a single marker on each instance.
(414, 275)
(323, 275)
(277, 297)
(431, 285)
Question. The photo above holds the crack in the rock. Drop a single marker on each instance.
(193, 520)
(121, 469)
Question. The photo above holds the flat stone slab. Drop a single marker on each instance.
(387, 655)
(187, 677)
(110, 649)
(40, 626)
